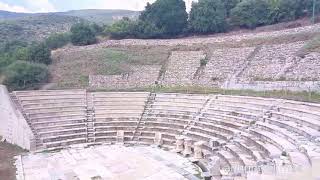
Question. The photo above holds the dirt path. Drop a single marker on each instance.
(7, 153)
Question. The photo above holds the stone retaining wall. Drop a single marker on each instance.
(182, 67)
(139, 77)
(13, 126)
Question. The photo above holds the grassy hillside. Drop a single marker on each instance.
(102, 16)
(34, 27)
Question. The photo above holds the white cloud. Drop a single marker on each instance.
(12, 8)
(40, 6)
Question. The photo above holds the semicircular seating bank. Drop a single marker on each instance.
(244, 133)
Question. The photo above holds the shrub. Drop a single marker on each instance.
(82, 34)
(121, 29)
(39, 53)
(56, 41)
(24, 75)
(208, 16)
(97, 30)
(203, 62)
(250, 13)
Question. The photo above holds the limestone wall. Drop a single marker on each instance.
(13, 127)
(272, 61)
(307, 69)
(223, 64)
(182, 67)
(141, 76)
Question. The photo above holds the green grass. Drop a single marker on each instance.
(72, 69)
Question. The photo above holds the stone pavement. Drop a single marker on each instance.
(106, 163)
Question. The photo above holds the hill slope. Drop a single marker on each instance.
(102, 16)
(34, 27)
(5, 15)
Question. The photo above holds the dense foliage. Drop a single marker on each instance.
(23, 75)
(168, 18)
(168, 15)
(250, 13)
(82, 34)
(39, 53)
(57, 40)
(22, 65)
(208, 16)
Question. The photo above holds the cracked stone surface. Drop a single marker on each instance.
(107, 163)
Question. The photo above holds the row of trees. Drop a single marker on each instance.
(168, 18)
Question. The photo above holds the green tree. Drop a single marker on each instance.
(96, 28)
(284, 10)
(230, 4)
(169, 16)
(82, 34)
(208, 16)
(59, 40)
(250, 13)
(125, 28)
(39, 53)
(24, 75)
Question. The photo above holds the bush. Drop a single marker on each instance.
(124, 28)
(39, 53)
(250, 13)
(96, 29)
(82, 34)
(56, 41)
(208, 16)
(24, 75)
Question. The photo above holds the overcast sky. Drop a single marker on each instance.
(65, 5)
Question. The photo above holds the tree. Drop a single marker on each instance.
(208, 16)
(168, 15)
(284, 10)
(56, 41)
(39, 53)
(96, 28)
(125, 28)
(250, 13)
(24, 75)
(230, 4)
(82, 34)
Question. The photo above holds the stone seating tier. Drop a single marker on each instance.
(241, 130)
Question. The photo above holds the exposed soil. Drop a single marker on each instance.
(7, 153)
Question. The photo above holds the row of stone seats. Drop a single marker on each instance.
(243, 131)
(58, 118)
(117, 112)
(276, 131)
(169, 114)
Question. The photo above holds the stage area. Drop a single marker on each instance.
(106, 162)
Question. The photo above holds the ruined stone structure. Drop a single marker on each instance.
(140, 76)
(264, 67)
(249, 135)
